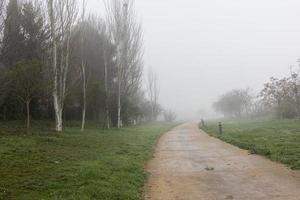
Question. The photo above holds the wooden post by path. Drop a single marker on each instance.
(220, 128)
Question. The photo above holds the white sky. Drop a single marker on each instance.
(203, 48)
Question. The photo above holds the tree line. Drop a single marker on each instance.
(280, 98)
(58, 62)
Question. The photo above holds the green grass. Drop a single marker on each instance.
(278, 140)
(96, 164)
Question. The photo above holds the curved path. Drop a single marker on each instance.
(189, 164)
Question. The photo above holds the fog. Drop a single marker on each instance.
(201, 49)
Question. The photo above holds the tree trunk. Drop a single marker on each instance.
(107, 118)
(56, 100)
(83, 115)
(58, 115)
(106, 94)
(119, 104)
(152, 112)
(106, 104)
(28, 115)
(84, 96)
(84, 78)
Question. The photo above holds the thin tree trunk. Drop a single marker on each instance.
(106, 92)
(152, 112)
(83, 83)
(58, 113)
(84, 96)
(83, 111)
(122, 62)
(83, 69)
(119, 103)
(107, 117)
(28, 115)
(119, 82)
(57, 107)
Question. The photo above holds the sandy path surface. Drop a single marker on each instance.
(189, 164)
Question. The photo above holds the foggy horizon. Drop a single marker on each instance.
(150, 99)
(202, 49)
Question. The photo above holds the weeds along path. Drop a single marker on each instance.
(189, 165)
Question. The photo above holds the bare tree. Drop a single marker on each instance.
(103, 30)
(169, 115)
(295, 86)
(116, 25)
(235, 103)
(126, 35)
(28, 83)
(62, 16)
(153, 92)
(83, 66)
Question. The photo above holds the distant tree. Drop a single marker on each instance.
(295, 87)
(235, 103)
(100, 71)
(169, 115)
(106, 57)
(153, 93)
(259, 108)
(28, 83)
(202, 113)
(143, 107)
(280, 94)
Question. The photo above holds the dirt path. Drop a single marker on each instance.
(189, 164)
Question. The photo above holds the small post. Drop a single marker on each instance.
(202, 123)
(220, 128)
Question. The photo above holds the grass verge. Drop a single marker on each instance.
(278, 140)
(96, 164)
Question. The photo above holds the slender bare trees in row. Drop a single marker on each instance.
(124, 33)
(153, 93)
(94, 65)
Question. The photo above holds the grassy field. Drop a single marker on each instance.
(277, 140)
(96, 164)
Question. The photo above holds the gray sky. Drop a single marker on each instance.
(203, 48)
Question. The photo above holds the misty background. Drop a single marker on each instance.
(202, 49)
